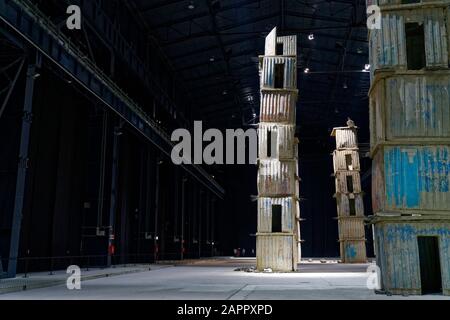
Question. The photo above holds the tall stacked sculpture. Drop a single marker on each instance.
(349, 197)
(277, 239)
(410, 145)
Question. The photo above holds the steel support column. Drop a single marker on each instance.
(114, 193)
(183, 192)
(22, 171)
(159, 162)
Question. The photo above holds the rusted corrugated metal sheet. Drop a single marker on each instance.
(341, 181)
(351, 228)
(276, 252)
(398, 255)
(418, 106)
(289, 45)
(340, 160)
(345, 138)
(282, 143)
(377, 114)
(388, 44)
(343, 205)
(290, 72)
(417, 177)
(378, 186)
(276, 178)
(278, 107)
(288, 213)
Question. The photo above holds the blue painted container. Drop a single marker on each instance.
(398, 253)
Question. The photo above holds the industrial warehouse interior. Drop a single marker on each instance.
(225, 150)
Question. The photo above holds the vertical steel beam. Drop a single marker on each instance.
(22, 171)
(200, 216)
(159, 162)
(114, 193)
(183, 190)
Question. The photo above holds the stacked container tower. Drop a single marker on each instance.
(278, 234)
(349, 196)
(410, 145)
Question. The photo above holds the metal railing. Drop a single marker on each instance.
(28, 265)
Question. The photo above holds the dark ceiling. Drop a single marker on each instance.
(213, 46)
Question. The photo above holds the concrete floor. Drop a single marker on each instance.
(217, 279)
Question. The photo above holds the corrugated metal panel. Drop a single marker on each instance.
(344, 206)
(290, 72)
(346, 138)
(289, 45)
(340, 160)
(388, 44)
(282, 144)
(417, 177)
(418, 106)
(353, 251)
(278, 106)
(378, 186)
(271, 43)
(276, 252)
(287, 213)
(377, 114)
(276, 178)
(351, 228)
(341, 181)
(435, 38)
(398, 255)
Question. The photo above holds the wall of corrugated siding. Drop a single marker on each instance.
(417, 177)
(275, 252)
(290, 72)
(351, 228)
(340, 163)
(346, 138)
(287, 213)
(388, 44)
(289, 45)
(276, 178)
(278, 107)
(378, 186)
(341, 181)
(344, 207)
(418, 106)
(353, 251)
(284, 146)
(377, 114)
(398, 254)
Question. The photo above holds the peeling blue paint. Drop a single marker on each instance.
(350, 251)
(411, 171)
(398, 255)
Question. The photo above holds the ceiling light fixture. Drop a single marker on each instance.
(311, 37)
(306, 70)
(191, 5)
